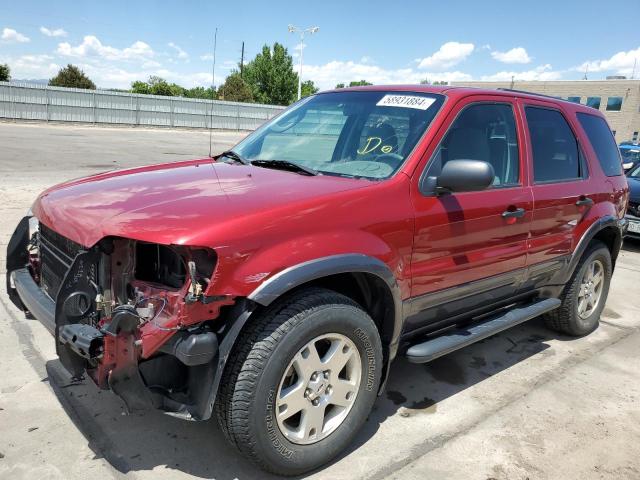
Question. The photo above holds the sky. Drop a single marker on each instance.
(383, 42)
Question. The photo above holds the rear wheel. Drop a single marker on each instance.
(301, 381)
(585, 295)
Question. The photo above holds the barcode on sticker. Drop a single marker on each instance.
(406, 101)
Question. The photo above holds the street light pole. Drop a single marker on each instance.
(302, 31)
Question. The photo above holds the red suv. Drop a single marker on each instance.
(273, 285)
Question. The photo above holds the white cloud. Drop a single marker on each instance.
(92, 47)
(449, 54)
(32, 66)
(542, 72)
(115, 76)
(328, 75)
(206, 57)
(621, 62)
(58, 32)
(9, 35)
(515, 55)
(181, 53)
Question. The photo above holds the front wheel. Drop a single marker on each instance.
(301, 382)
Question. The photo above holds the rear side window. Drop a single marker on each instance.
(602, 141)
(556, 156)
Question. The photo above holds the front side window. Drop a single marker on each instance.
(556, 156)
(574, 99)
(484, 132)
(614, 104)
(366, 134)
(593, 102)
(602, 141)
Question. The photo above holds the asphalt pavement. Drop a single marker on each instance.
(524, 404)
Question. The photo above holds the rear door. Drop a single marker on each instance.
(562, 187)
(470, 247)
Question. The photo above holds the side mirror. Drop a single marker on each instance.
(464, 176)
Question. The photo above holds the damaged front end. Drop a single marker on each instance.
(137, 317)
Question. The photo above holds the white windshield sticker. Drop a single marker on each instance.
(406, 101)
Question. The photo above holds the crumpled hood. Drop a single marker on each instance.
(173, 203)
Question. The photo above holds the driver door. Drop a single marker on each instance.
(470, 247)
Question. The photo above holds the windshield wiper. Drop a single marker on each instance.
(232, 155)
(285, 165)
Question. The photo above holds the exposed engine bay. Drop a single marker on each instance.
(135, 316)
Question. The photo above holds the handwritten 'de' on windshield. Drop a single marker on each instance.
(406, 101)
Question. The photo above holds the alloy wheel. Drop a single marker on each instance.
(318, 388)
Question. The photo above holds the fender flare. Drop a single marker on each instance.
(293, 277)
(589, 234)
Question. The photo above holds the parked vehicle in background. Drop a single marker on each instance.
(630, 153)
(273, 286)
(633, 212)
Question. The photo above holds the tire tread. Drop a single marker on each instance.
(250, 355)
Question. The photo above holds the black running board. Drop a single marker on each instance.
(454, 340)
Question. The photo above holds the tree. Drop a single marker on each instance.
(159, 86)
(426, 81)
(271, 77)
(359, 83)
(308, 88)
(201, 92)
(235, 89)
(72, 77)
(140, 87)
(355, 83)
(5, 73)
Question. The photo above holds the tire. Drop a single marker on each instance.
(250, 395)
(567, 318)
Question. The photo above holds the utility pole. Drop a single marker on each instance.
(512, 80)
(213, 87)
(242, 60)
(301, 31)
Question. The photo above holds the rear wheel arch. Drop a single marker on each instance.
(607, 230)
(612, 238)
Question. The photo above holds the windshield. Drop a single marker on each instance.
(630, 154)
(357, 134)
(635, 173)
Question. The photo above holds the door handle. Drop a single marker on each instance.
(584, 202)
(517, 213)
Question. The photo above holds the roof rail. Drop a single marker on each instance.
(529, 93)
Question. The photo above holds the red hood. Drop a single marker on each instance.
(173, 203)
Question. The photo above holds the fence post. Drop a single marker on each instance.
(94, 107)
(46, 103)
(13, 104)
(238, 120)
(137, 109)
(171, 113)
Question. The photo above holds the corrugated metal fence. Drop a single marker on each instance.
(39, 102)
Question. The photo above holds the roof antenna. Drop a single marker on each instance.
(213, 86)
